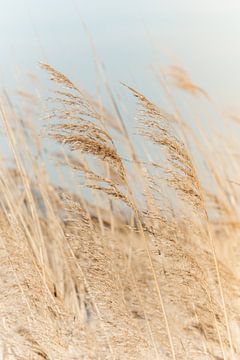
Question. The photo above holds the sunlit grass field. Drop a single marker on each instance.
(131, 251)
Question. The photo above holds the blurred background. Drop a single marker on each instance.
(129, 37)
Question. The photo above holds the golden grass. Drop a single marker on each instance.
(138, 259)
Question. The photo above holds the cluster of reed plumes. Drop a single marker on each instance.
(137, 258)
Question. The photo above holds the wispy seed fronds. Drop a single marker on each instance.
(182, 81)
(81, 125)
(58, 77)
(161, 129)
(150, 109)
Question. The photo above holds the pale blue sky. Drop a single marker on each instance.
(130, 35)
